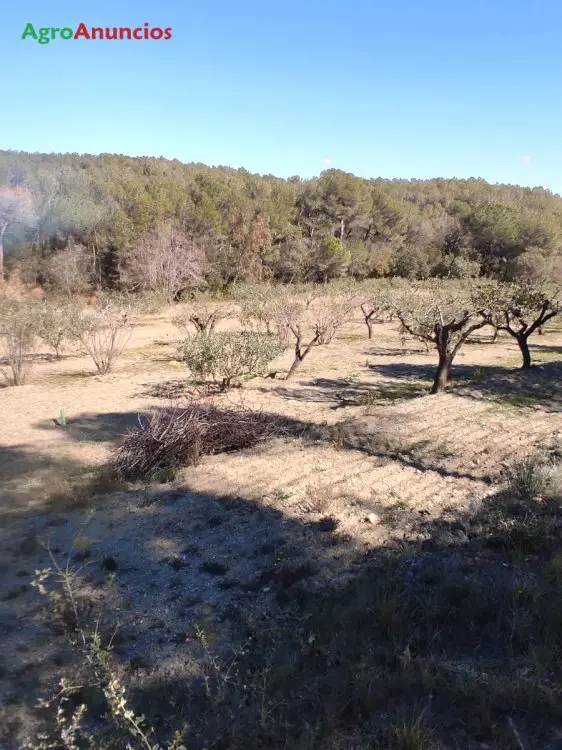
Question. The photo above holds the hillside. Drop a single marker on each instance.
(118, 213)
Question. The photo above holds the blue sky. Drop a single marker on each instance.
(393, 89)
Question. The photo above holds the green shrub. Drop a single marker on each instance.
(227, 356)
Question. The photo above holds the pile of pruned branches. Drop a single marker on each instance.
(173, 437)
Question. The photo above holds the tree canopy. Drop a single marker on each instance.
(255, 228)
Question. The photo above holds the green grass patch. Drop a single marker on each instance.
(523, 400)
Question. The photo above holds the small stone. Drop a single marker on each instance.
(373, 519)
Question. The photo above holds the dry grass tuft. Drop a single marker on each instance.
(529, 478)
(74, 492)
(321, 498)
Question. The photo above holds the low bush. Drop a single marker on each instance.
(227, 356)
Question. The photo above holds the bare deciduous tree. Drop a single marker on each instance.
(167, 260)
(316, 323)
(201, 314)
(374, 304)
(103, 333)
(54, 324)
(68, 271)
(18, 339)
(442, 316)
(520, 310)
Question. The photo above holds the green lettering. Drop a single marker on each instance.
(66, 33)
(29, 31)
(44, 35)
(54, 33)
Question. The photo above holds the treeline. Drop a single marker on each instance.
(75, 222)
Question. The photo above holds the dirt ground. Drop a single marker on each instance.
(204, 547)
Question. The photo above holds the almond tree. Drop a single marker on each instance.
(311, 326)
(103, 332)
(202, 314)
(440, 315)
(373, 305)
(520, 310)
(260, 306)
(19, 323)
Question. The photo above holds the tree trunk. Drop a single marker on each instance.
(524, 346)
(297, 362)
(369, 326)
(442, 373)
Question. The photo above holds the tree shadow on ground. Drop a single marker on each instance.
(342, 392)
(177, 388)
(541, 386)
(448, 635)
(483, 338)
(171, 356)
(26, 474)
(91, 427)
(21, 459)
(168, 389)
(374, 435)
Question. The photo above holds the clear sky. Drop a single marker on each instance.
(401, 88)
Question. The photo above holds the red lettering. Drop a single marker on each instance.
(82, 31)
(97, 33)
(124, 31)
(136, 33)
(168, 33)
(156, 33)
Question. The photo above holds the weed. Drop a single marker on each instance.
(320, 498)
(80, 490)
(401, 505)
(527, 479)
(412, 734)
